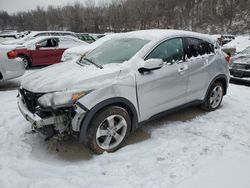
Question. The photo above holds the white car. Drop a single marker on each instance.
(35, 34)
(10, 66)
(240, 43)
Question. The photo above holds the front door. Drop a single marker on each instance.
(46, 52)
(165, 88)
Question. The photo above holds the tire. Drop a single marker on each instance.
(26, 61)
(108, 130)
(214, 98)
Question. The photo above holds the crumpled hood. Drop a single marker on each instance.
(70, 75)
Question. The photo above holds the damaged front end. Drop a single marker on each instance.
(48, 121)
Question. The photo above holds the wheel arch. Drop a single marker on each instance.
(27, 56)
(115, 101)
(221, 78)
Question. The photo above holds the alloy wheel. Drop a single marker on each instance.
(111, 132)
(216, 96)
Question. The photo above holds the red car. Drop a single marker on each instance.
(45, 50)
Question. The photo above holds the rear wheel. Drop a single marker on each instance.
(214, 97)
(26, 61)
(108, 130)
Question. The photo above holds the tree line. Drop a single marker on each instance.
(208, 16)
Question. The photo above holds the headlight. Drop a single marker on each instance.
(57, 99)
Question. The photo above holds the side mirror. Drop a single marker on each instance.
(38, 46)
(150, 65)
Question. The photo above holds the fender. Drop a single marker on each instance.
(91, 113)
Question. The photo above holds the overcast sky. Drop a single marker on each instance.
(12, 6)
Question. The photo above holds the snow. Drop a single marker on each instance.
(70, 75)
(158, 34)
(190, 148)
(220, 172)
(240, 43)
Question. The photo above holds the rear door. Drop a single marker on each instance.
(198, 55)
(46, 52)
(165, 88)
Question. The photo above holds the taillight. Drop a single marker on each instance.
(12, 55)
(227, 58)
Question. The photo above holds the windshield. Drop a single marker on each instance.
(246, 51)
(116, 50)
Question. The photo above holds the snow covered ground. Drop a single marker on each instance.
(188, 149)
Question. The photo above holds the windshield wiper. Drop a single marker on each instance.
(92, 62)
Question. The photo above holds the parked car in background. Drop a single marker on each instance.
(231, 51)
(85, 37)
(240, 67)
(130, 79)
(34, 34)
(97, 36)
(9, 34)
(223, 39)
(240, 43)
(45, 50)
(77, 52)
(10, 66)
(226, 39)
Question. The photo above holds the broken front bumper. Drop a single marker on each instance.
(36, 121)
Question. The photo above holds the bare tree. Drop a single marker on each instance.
(210, 16)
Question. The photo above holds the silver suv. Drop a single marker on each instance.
(130, 79)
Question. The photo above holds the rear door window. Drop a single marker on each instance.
(48, 43)
(197, 47)
(169, 51)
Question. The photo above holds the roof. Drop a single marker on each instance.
(37, 39)
(158, 34)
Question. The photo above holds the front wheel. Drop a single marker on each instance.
(108, 130)
(214, 97)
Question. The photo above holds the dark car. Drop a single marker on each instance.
(85, 37)
(240, 67)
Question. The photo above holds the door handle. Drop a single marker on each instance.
(182, 67)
